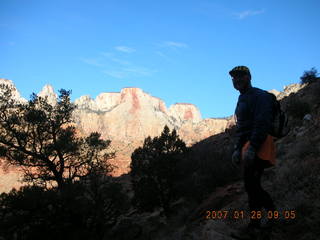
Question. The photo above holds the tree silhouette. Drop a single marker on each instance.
(309, 76)
(78, 211)
(41, 140)
(154, 170)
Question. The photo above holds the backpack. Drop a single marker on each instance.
(279, 127)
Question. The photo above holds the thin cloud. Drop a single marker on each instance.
(164, 56)
(92, 61)
(120, 61)
(106, 54)
(129, 72)
(139, 71)
(248, 13)
(114, 59)
(125, 49)
(161, 54)
(175, 44)
(111, 65)
(115, 74)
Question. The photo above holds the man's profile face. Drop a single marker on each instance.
(240, 81)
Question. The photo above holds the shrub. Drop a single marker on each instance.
(309, 76)
(78, 211)
(41, 140)
(154, 171)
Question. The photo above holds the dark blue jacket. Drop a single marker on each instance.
(253, 117)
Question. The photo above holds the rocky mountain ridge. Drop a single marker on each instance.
(129, 116)
(15, 93)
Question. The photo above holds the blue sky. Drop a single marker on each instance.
(179, 51)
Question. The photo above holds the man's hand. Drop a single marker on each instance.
(249, 157)
(236, 158)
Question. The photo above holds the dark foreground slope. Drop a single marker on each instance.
(215, 199)
(293, 183)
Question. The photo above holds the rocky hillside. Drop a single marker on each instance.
(293, 183)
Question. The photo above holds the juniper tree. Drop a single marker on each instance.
(154, 170)
(309, 76)
(41, 140)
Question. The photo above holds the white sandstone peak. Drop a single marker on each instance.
(185, 112)
(108, 100)
(86, 102)
(48, 91)
(15, 93)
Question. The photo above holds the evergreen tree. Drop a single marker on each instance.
(154, 170)
(41, 140)
(309, 76)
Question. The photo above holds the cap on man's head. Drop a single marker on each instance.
(239, 70)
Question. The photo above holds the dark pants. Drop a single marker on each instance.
(257, 196)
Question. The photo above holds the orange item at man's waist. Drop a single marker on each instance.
(266, 152)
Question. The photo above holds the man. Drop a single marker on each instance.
(254, 148)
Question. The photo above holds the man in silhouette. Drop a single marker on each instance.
(254, 148)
